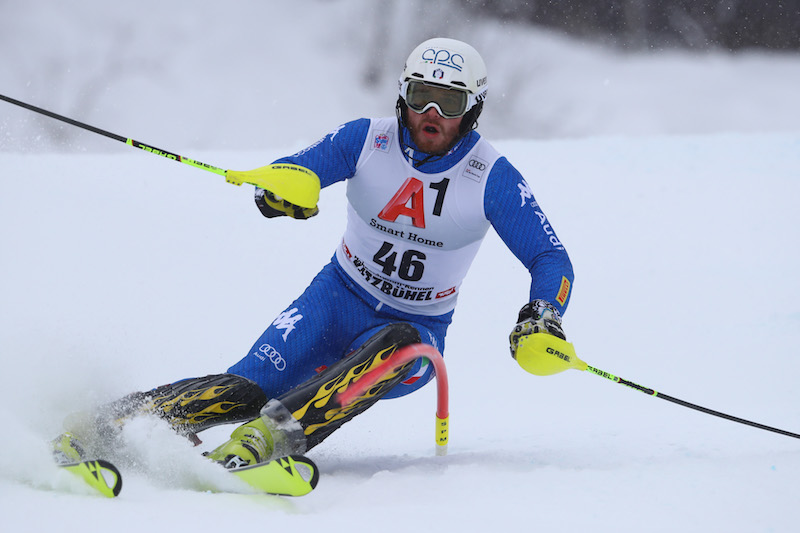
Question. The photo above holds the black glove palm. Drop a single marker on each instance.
(271, 206)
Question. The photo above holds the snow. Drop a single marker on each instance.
(207, 75)
(122, 271)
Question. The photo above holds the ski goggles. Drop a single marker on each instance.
(450, 103)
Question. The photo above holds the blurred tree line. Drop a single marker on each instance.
(731, 24)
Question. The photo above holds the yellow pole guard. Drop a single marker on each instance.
(293, 183)
(543, 354)
(442, 434)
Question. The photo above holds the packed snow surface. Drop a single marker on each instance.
(122, 271)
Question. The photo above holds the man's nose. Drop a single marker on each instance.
(432, 112)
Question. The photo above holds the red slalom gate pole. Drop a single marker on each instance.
(400, 357)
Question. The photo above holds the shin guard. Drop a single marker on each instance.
(310, 412)
(190, 405)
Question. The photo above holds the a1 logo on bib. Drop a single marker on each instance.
(411, 192)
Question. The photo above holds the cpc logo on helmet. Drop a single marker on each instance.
(447, 62)
(443, 57)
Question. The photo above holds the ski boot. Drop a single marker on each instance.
(67, 449)
(250, 443)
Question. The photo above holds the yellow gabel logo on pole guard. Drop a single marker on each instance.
(543, 354)
(293, 183)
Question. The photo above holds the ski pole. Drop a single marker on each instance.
(543, 354)
(678, 401)
(299, 190)
(120, 138)
(397, 359)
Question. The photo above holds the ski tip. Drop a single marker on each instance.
(293, 475)
(99, 474)
(307, 469)
(111, 473)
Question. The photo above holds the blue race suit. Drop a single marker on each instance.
(336, 313)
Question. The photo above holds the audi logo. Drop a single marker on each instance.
(477, 165)
(273, 355)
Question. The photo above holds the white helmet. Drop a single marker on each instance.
(448, 64)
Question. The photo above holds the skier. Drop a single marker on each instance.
(423, 187)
